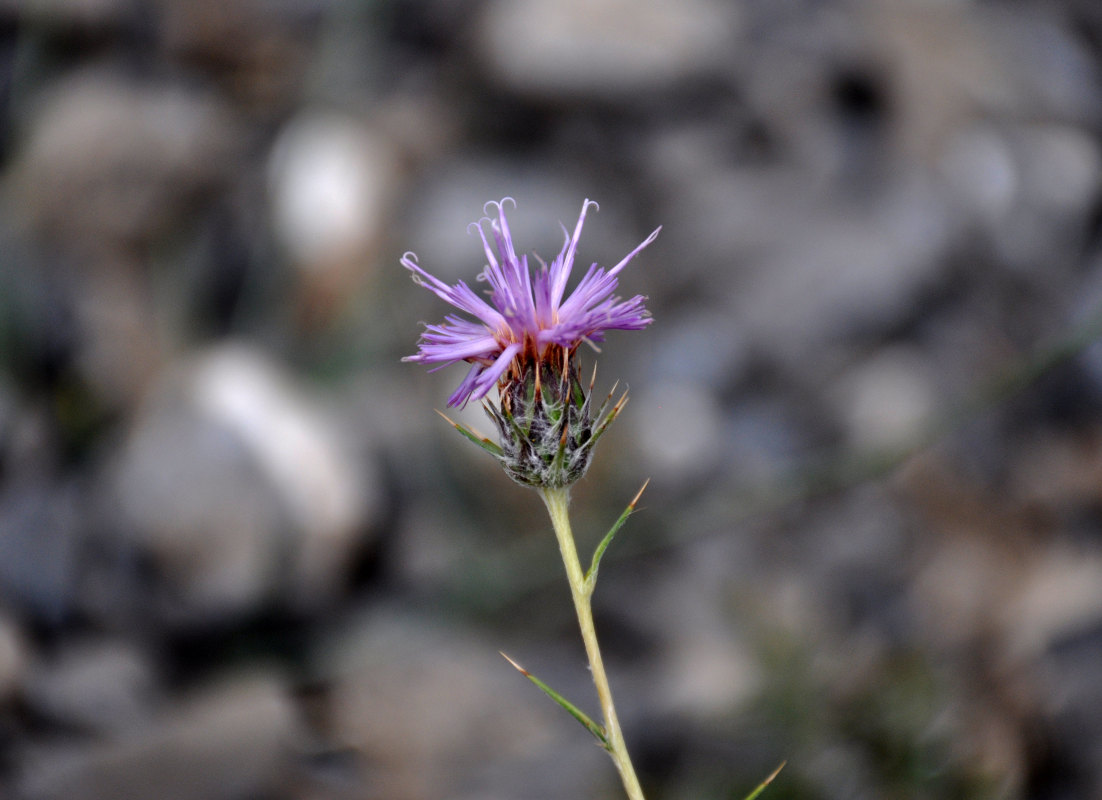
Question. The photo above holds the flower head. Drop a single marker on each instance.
(529, 319)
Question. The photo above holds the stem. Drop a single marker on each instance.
(557, 502)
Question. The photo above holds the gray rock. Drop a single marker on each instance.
(14, 658)
(238, 487)
(257, 51)
(98, 686)
(81, 15)
(886, 401)
(703, 667)
(41, 529)
(200, 512)
(697, 345)
(609, 48)
(1059, 598)
(673, 430)
(332, 180)
(108, 161)
(1059, 171)
(231, 742)
(845, 268)
(436, 712)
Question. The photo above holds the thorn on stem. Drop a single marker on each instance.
(525, 672)
(774, 774)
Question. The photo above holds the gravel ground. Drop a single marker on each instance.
(242, 559)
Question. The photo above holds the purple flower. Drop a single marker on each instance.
(528, 319)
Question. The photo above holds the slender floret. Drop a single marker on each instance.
(529, 320)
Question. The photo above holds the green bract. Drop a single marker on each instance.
(547, 426)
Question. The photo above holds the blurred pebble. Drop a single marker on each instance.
(699, 347)
(42, 525)
(703, 669)
(858, 268)
(1060, 172)
(258, 50)
(1062, 167)
(213, 547)
(118, 348)
(1072, 695)
(704, 676)
(273, 500)
(231, 741)
(960, 587)
(14, 658)
(862, 535)
(71, 15)
(432, 709)
(96, 686)
(979, 165)
(1059, 596)
(608, 48)
(762, 440)
(674, 430)
(1061, 472)
(296, 443)
(799, 267)
(887, 401)
(821, 89)
(1030, 186)
(1050, 61)
(331, 181)
(948, 68)
(954, 63)
(109, 161)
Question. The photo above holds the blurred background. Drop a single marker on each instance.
(242, 559)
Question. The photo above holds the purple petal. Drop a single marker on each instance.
(565, 261)
(481, 379)
(624, 261)
(461, 296)
(462, 394)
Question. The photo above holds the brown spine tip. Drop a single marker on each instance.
(774, 774)
(526, 674)
(450, 421)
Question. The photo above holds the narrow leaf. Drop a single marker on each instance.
(766, 782)
(591, 575)
(569, 707)
(481, 441)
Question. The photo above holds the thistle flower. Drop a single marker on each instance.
(523, 342)
(528, 320)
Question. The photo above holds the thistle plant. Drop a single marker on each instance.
(524, 343)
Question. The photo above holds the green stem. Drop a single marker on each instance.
(557, 502)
